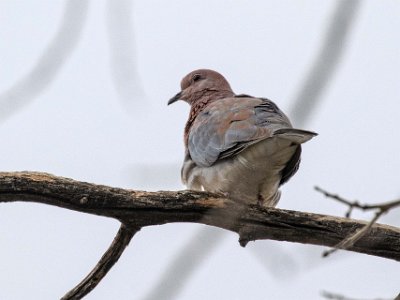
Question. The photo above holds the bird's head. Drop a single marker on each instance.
(202, 83)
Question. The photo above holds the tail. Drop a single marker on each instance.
(297, 136)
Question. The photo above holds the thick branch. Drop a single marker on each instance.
(137, 209)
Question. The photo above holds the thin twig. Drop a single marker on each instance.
(107, 261)
(352, 239)
(381, 209)
(356, 204)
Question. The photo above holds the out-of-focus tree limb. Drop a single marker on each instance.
(49, 63)
(325, 62)
(193, 255)
(123, 63)
(334, 296)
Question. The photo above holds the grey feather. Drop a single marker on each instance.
(241, 146)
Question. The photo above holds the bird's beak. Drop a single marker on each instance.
(175, 98)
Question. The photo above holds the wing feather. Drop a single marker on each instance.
(228, 126)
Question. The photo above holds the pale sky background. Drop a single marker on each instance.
(79, 123)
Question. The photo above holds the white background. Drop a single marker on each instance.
(80, 125)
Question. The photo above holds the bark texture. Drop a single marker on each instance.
(137, 209)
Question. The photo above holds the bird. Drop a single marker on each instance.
(240, 146)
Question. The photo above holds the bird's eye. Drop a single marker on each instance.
(196, 77)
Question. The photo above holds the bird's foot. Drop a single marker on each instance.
(260, 200)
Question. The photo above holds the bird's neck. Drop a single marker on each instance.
(199, 104)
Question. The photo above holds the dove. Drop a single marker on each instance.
(240, 146)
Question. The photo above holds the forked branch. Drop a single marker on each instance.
(137, 209)
(380, 209)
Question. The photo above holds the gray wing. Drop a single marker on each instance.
(228, 126)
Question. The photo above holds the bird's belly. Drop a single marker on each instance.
(250, 176)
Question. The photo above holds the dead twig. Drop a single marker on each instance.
(356, 204)
(349, 241)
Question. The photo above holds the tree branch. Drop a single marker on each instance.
(105, 264)
(381, 207)
(359, 233)
(137, 209)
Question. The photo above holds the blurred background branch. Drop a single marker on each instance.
(123, 64)
(335, 296)
(326, 62)
(48, 65)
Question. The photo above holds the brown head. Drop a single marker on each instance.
(202, 83)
